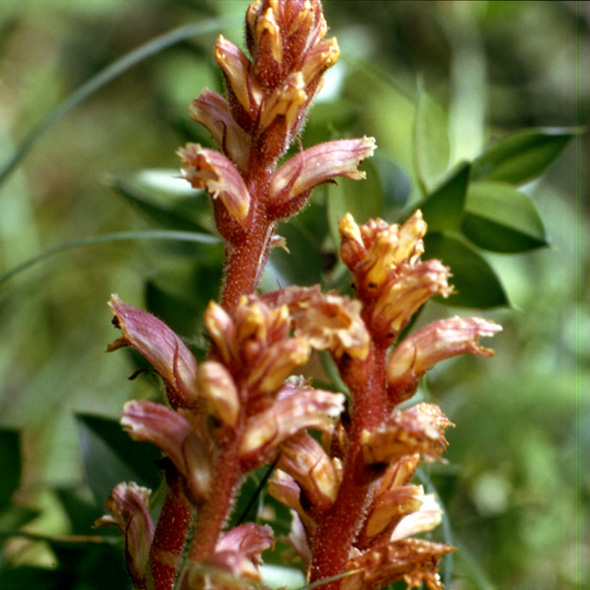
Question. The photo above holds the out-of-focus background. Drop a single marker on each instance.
(517, 485)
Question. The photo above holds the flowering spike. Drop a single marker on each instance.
(161, 347)
(214, 172)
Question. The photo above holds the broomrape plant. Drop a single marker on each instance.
(355, 511)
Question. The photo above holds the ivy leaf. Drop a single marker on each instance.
(443, 209)
(110, 456)
(522, 156)
(431, 141)
(10, 465)
(476, 284)
(502, 219)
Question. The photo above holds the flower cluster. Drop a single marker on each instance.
(267, 99)
(348, 485)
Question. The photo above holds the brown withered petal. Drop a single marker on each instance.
(161, 347)
(212, 111)
(277, 363)
(174, 436)
(404, 292)
(419, 429)
(306, 461)
(238, 551)
(128, 506)
(388, 508)
(217, 387)
(412, 560)
(433, 343)
(235, 65)
(218, 175)
(317, 165)
(296, 408)
(328, 321)
(427, 517)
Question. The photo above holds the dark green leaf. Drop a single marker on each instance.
(474, 280)
(16, 516)
(10, 465)
(431, 141)
(27, 577)
(443, 209)
(522, 156)
(110, 456)
(166, 200)
(502, 219)
(395, 182)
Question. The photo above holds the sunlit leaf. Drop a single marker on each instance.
(10, 464)
(474, 279)
(522, 156)
(443, 209)
(431, 141)
(110, 456)
(502, 219)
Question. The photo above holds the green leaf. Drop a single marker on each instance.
(10, 465)
(502, 219)
(431, 141)
(443, 209)
(110, 456)
(166, 200)
(363, 199)
(475, 282)
(522, 156)
(110, 73)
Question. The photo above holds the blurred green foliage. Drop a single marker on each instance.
(438, 84)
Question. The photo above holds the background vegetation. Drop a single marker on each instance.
(517, 486)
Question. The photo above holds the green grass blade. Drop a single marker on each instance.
(182, 236)
(111, 72)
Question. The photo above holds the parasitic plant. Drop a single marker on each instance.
(354, 509)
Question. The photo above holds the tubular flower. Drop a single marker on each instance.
(327, 320)
(234, 564)
(218, 175)
(161, 347)
(129, 511)
(389, 277)
(435, 342)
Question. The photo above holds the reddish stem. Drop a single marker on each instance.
(213, 514)
(340, 525)
(170, 536)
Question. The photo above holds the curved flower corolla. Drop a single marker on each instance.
(161, 347)
(129, 511)
(175, 436)
(294, 180)
(433, 343)
(219, 176)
